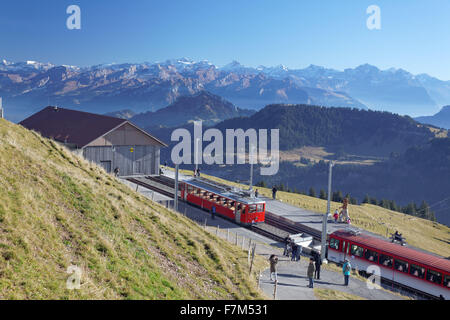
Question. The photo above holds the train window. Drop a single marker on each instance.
(371, 255)
(417, 271)
(447, 281)
(334, 243)
(252, 208)
(401, 265)
(434, 276)
(260, 208)
(357, 251)
(386, 260)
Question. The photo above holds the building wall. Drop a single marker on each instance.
(125, 135)
(144, 160)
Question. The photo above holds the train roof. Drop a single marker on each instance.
(395, 249)
(224, 190)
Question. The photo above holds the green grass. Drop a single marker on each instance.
(330, 294)
(58, 210)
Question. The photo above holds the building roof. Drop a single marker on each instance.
(233, 194)
(74, 127)
(396, 249)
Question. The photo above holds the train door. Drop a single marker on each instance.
(238, 212)
(345, 248)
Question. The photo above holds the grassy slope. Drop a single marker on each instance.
(57, 209)
(330, 294)
(430, 236)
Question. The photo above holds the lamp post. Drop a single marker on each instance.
(251, 160)
(196, 154)
(175, 202)
(325, 217)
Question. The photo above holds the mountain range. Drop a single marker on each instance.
(141, 87)
(204, 106)
(440, 119)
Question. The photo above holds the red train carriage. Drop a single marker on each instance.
(235, 205)
(410, 267)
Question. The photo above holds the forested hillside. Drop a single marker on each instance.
(338, 129)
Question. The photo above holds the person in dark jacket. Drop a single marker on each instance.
(273, 267)
(310, 272)
(213, 212)
(287, 242)
(317, 264)
(295, 249)
(274, 193)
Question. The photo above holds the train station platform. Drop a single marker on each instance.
(309, 219)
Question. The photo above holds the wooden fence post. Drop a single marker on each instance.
(253, 258)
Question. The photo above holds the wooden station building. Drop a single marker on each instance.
(110, 142)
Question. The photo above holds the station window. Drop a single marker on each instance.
(434, 276)
(447, 281)
(334, 243)
(357, 250)
(386, 260)
(401, 265)
(417, 271)
(371, 255)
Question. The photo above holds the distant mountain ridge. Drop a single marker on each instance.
(203, 106)
(440, 119)
(27, 86)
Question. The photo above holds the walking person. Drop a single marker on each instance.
(116, 171)
(346, 268)
(287, 242)
(273, 267)
(317, 264)
(256, 193)
(310, 272)
(274, 193)
(294, 251)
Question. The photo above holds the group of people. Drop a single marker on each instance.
(342, 216)
(314, 266)
(293, 248)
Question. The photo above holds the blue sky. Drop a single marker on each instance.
(414, 34)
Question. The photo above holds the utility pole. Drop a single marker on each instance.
(1, 109)
(251, 160)
(176, 188)
(325, 217)
(196, 154)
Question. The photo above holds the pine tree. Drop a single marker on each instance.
(366, 199)
(312, 192)
(323, 195)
